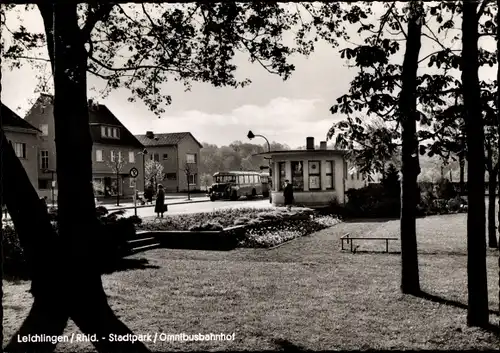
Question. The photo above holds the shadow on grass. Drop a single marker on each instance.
(456, 304)
(370, 220)
(287, 346)
(126, 265)
(371, 252)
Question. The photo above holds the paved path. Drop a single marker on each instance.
(198, 207)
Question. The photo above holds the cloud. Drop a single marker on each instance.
(282, 119)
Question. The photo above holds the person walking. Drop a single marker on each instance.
(160, 202)
(288, 194)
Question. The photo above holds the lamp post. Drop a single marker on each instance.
(250, 136)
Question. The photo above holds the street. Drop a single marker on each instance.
(197, 207)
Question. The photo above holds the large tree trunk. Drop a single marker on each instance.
(477, 313)
(498, 126)
(461, 158)
(77, 288)
(410, 168)
(41, 251)
(492, 191)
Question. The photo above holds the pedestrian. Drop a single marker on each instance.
(288, 194)
(160, 202)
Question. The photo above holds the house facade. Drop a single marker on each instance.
(115, 150)
(179, 154)
(318, 175)
(24, 138)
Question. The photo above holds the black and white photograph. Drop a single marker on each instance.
(249, 176)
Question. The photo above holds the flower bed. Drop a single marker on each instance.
(263, 227)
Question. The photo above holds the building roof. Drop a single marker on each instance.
(239, 172)
(293, 152)
(167, 139)
(99, 115)
(11, 119)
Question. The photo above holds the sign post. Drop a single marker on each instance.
(133, 174)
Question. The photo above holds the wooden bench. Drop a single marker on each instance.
(349, 240)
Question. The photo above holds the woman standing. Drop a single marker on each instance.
(160, 202)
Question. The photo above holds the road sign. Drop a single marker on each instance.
(134, 172)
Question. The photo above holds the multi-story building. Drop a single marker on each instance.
(178, 153)
(115, 150)
(24, 139)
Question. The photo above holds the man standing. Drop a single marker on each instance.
(288, 194)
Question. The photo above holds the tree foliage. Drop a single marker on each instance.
(142, 46)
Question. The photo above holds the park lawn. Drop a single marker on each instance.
(305, 294)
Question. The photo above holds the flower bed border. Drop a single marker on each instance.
(222, 240)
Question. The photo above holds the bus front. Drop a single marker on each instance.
(222, 186)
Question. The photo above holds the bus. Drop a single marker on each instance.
(233, 185)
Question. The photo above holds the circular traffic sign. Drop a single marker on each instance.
(134, 172)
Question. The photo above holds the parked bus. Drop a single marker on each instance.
(233, 185)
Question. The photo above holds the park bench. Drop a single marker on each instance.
(349, 240)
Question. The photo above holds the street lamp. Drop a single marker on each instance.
(250, 136)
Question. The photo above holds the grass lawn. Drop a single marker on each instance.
(305, 294)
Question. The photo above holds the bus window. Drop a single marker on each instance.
(241, 179)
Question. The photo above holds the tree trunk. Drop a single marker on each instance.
(189, 196)
(492, 188)
(78, 288)
(41, 249)
(410, 169)
(461, 158)
(498, 126)
(477, 310)
(118, 189)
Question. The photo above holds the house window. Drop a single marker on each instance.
(330, 173)
(98, 155)
(20, 149)
(44, 159)
(112, 156)
(120, 159)
(165, 156)
(282, 174)
(43, 184)
(314, 175)
(98, 185)
(132, 182)
(131, 157)
(297, 176)
(44, 128)
(155, 157)
(191, 158)
(110, 132)
(171, 176)
(192, 179)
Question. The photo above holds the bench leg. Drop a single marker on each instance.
(387, 245)
(342, 240)
(351, 245)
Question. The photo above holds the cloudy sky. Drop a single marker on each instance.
(285, 112)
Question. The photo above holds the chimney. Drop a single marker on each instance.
(150, 134)
(322, 145)
(309, 143)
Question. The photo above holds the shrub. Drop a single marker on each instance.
(14, 264)
(445, 190)
(207, 227)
